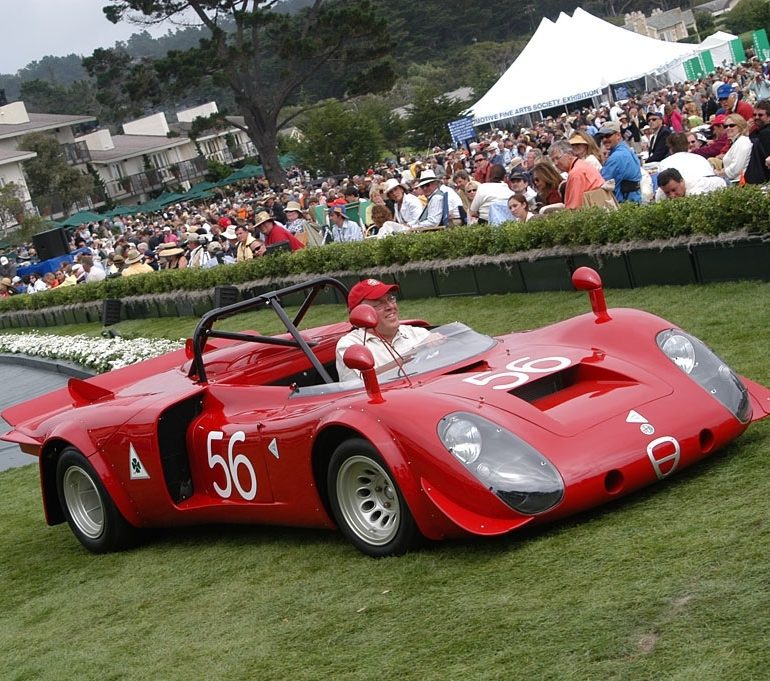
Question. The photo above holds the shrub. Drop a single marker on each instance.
(730, 210)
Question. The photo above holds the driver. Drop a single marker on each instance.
(390, 339)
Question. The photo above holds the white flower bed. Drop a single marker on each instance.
(99, 354)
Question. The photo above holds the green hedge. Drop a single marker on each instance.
(733, 209)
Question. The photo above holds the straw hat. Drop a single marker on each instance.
(133, 256)
(170, 252)
(262, 217)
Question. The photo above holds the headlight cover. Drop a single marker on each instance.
(516, 472)
(701, 364)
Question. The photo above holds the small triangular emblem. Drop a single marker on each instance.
(273, 448)
(635, 417)
(135, 465)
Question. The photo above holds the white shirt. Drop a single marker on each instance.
(96, 273)
(486, 194)
(406, 338)
(408, 213)
(697, 173)
(737, 158)
(38, 286)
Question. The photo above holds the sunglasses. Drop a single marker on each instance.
(730, 125)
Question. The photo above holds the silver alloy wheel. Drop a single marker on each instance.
(368, 500)
(83, 502)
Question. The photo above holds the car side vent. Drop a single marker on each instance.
(172, 430)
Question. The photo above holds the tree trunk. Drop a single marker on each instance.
(264, 135)
(268, 153)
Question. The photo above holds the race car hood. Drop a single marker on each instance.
(560, 389)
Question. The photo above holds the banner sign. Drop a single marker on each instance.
(462, 129)
(736, 49)
(761, 44)
(539, 106)
(693, 69)
(707, 59)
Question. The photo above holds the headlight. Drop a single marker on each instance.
(463, 439)
(516, 472)
(701, 364)
(679, 350)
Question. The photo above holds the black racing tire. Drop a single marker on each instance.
(90, 512)
(367, 503)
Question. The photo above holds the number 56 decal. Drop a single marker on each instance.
(520, 371)
(231, 465)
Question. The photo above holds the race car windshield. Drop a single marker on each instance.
(447, 345)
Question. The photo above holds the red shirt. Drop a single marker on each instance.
(278, 234)
(718, 146)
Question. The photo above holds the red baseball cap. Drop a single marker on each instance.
(719, 119)
(368, 289)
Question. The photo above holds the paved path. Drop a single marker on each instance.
(23, 380)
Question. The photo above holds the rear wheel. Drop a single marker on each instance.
(92, 516)
(367, 503)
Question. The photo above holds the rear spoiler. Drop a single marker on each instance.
(80, 392)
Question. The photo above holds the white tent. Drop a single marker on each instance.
(719, 46)
(572, 59)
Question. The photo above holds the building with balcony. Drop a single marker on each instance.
(153, 154)
(15, 123)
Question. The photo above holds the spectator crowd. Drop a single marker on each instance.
(680, 140)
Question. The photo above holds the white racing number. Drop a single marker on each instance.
(231, 465)
(520, 370)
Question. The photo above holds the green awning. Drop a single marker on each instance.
(170, 198)
(122, 210)
(82, 217)
(201, 187)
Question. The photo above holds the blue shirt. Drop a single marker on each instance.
(623, 164)
(349, 231)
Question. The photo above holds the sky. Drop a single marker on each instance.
(36, 28)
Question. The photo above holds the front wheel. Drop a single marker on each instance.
(92, 516)
(366, 502)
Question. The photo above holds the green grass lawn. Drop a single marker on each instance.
(670, 583)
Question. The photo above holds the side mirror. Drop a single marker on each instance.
(363, 316)
(588, 279)
(361, 359)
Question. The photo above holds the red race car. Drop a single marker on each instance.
(468, 434)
